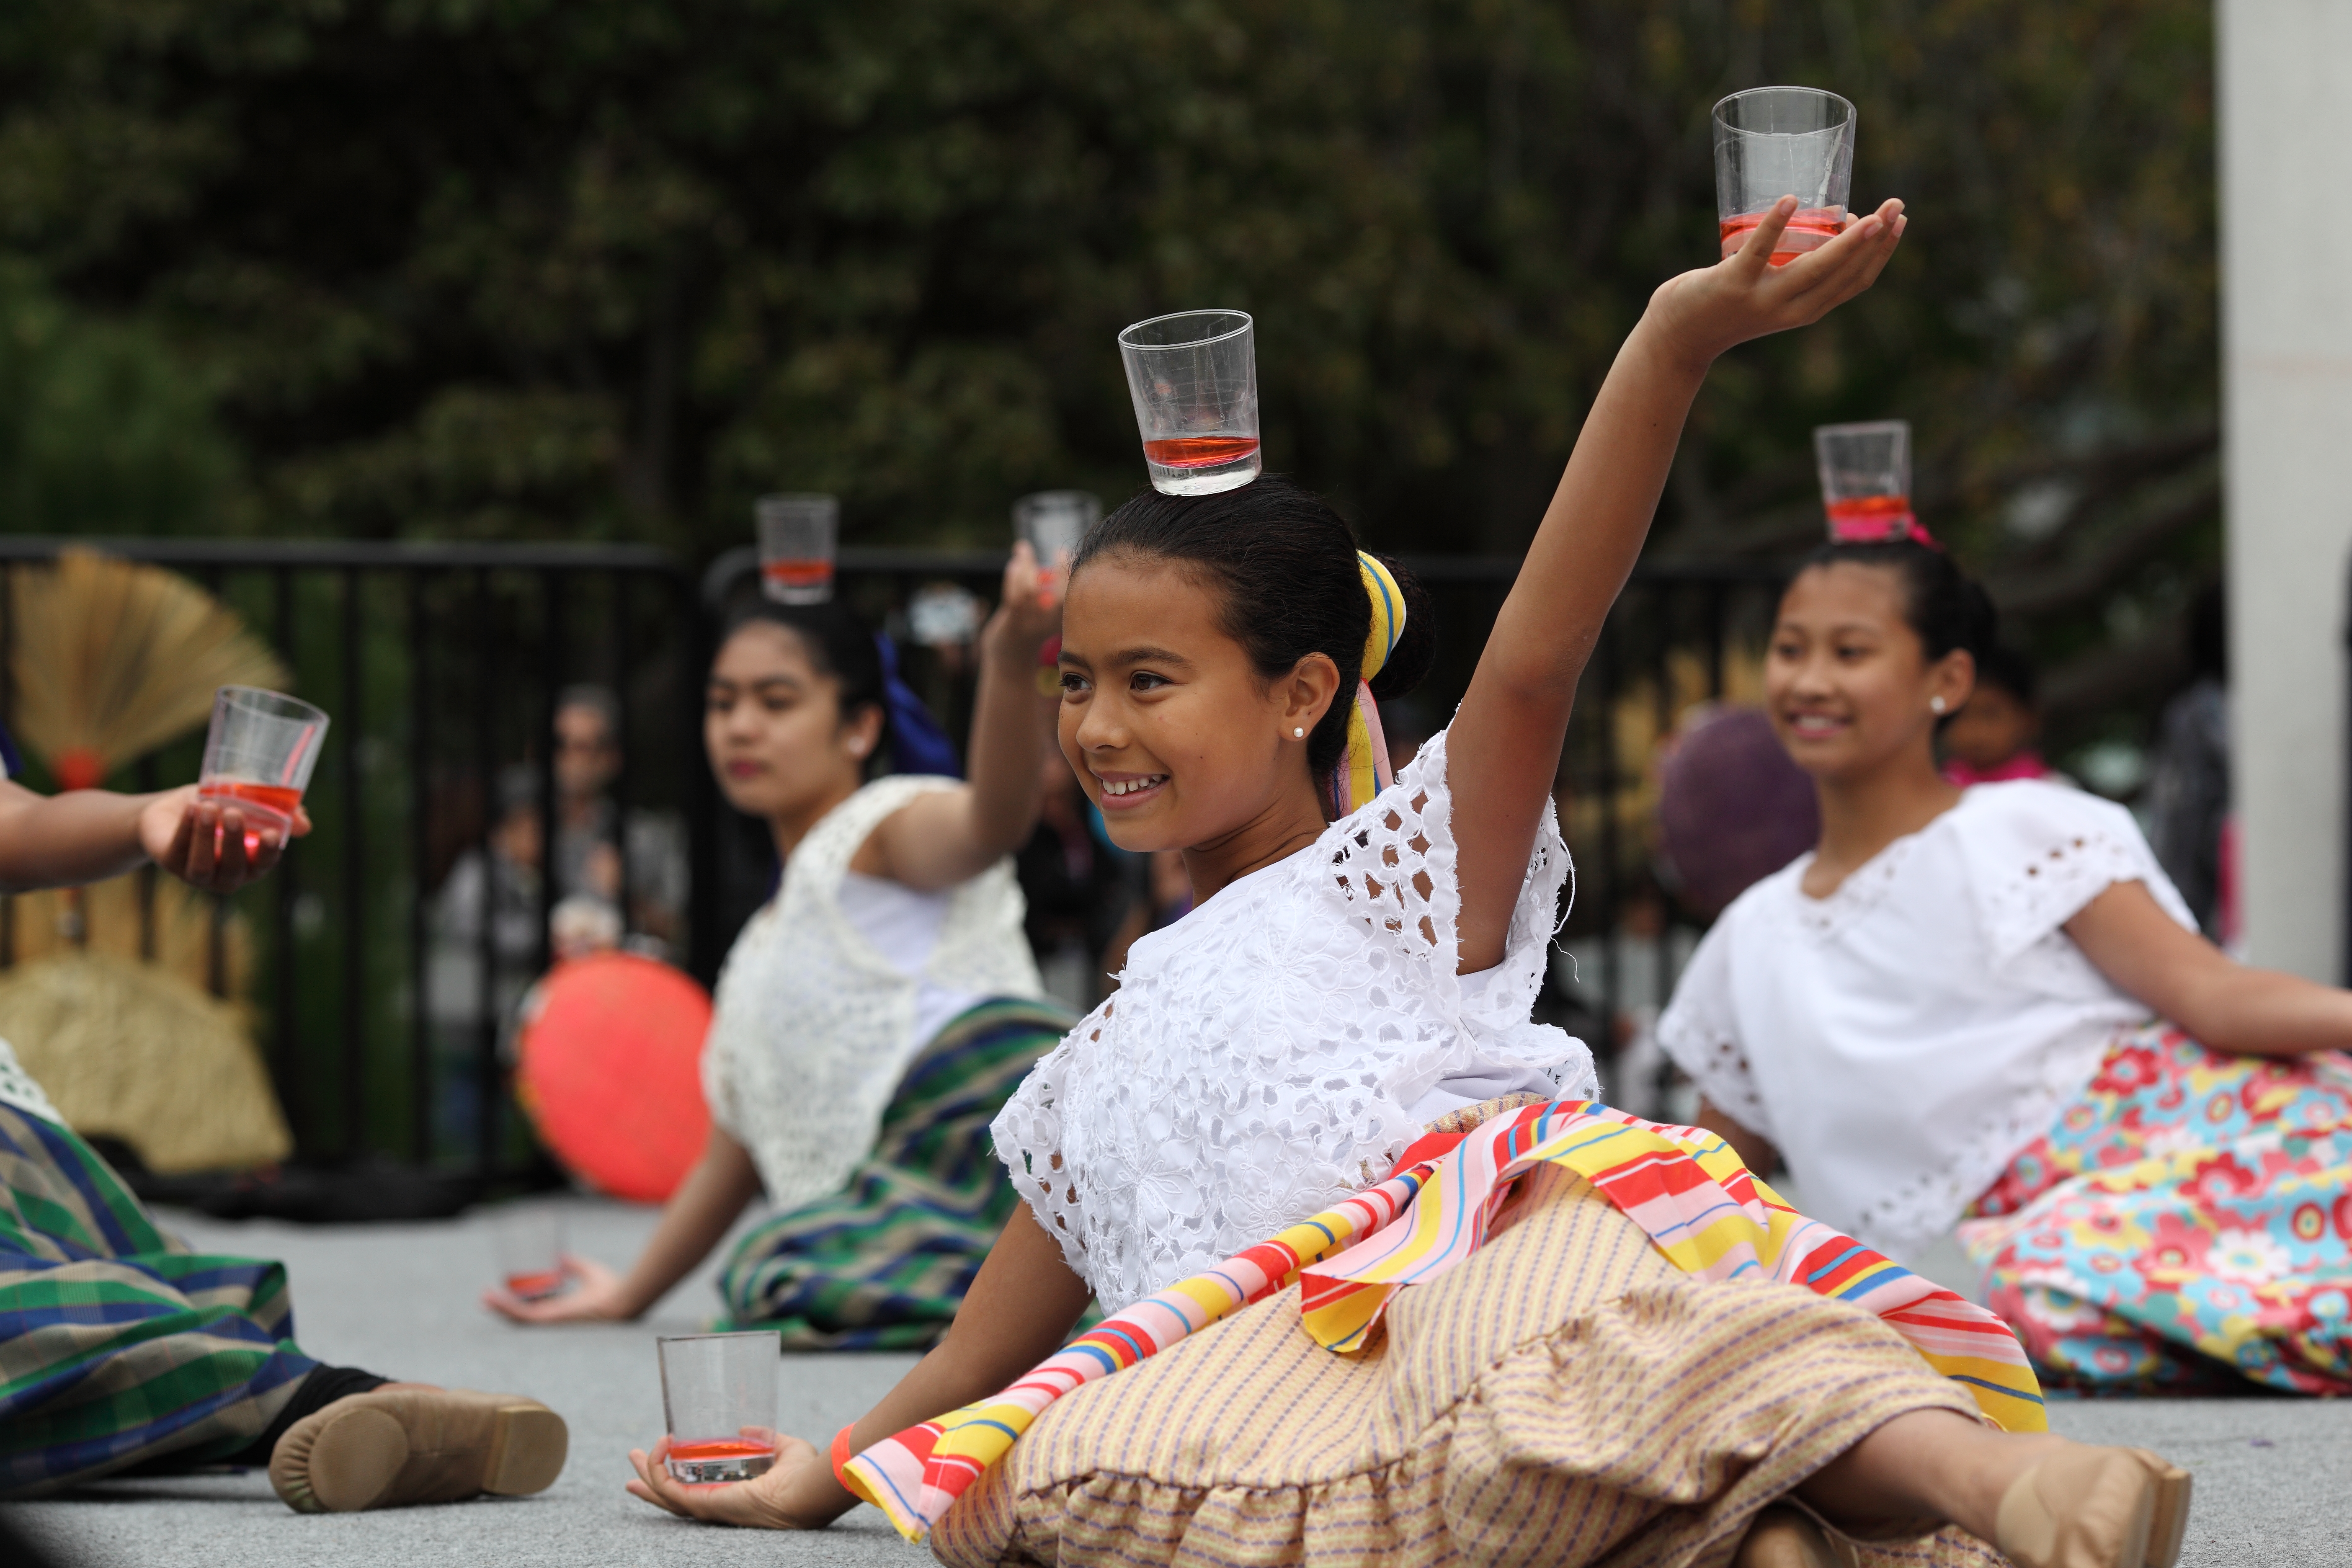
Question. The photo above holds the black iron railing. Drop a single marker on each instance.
(441, 665)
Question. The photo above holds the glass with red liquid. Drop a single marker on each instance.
(531, 1250)
(797, 534)
(1866, 480)
(1775, 142)
(1194, 380)
(718, 1395)
(1054, 522)
(259, 757)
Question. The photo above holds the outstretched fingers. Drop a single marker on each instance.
(1846, 265)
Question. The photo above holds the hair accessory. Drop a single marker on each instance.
(918, 744)
(1363, 768)
(1886, 527)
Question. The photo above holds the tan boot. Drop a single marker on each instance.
(397, 1446)
(2095, 1508)
(1784, 1537)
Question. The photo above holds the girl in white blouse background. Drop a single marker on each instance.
(1992, 1003)
(1340, 981)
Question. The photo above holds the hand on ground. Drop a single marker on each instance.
(595, 1297)
(1704, 312)
(788, 1497)
(206, 844)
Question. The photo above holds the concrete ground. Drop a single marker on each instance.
(401, 1299)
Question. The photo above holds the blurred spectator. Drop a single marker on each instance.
(2189, 781)
(495, 894)
(1079, 887)
(1991, 738)
(1732, 807)
(602, 852)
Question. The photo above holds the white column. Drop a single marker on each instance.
(2284, 74)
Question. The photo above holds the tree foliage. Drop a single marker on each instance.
(612, 268)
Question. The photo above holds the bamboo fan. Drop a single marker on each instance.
(112, 659)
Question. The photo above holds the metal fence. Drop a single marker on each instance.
(442, 666)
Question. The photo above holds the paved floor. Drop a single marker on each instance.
(2270, 1473)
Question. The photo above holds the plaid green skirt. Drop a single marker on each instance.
(117, 1346)
(884, 1263)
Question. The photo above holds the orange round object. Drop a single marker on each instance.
(610, 1073)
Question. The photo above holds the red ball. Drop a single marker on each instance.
(610, 1073)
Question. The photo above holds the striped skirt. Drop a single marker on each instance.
(117, 1346)
(884, 1263)
(1566, 1395)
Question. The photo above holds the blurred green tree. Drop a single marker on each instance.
(612, 267)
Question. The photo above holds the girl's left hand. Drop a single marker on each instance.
(1031, 610)
(1704, 312)
(790, 1496)
(206, 844)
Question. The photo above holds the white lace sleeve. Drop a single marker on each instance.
(1028, 1137)
(1699, 1031)
(2041, 851)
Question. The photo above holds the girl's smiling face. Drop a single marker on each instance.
(1846, 681)
(1171, 729)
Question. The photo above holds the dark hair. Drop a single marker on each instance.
(2006, 665)
(1940, 603)
(1284, 564)
(838, 643)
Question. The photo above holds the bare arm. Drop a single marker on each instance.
(692, 1222)
(937, 840)
(1503, 747)
(1020, 1310)
(1755, 1151)
(90, 835)
(2219, 1001)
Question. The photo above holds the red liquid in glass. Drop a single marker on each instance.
(1870, 517)
(276, 798)
(531, 1287)
(1812, 229)
(1199, 451)
(797, 575)
(708, 1448)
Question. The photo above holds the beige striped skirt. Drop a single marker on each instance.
(1567, 1396)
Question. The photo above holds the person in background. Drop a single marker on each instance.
(2189, 777)
(485, 951)
(125, 1351)
(602, 853)
(874, 1014)
(1991, 739)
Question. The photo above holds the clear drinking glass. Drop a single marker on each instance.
(1775, 142)
(1054, 522)
(529, 1239)
(718, 1395)
(259, 757)
(797, 536)
(1194, 379)
(1866, 479)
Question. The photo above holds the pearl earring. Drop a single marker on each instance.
(1297, 734)
(1936, 704)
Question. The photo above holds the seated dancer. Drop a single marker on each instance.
(1943, 1011)
(1362, 962)
(122, 1349)
(874, 1014)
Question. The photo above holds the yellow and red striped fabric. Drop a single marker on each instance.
(1685, 1188)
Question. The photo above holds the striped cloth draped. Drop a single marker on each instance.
(1684, 1187)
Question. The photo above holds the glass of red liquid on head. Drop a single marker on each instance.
(531, 1250)
(1194, 380)
(796, 544)
(259, 757)
(1866, 480)
(718, 1395)
(1054, 522)
(1775, 142)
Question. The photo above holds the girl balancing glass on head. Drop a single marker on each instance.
(1988, 1005)
(878, 1009)
(1581, 1379)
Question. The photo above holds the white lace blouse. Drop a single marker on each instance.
(813, 1024)
(1900, 1040)
(1267, 1054)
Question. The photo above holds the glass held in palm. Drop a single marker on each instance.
(259, 757)
(1775, 142)
(718, 1397)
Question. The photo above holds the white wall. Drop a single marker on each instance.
(2285, 72)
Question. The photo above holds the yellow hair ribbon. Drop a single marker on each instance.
(1363, 771)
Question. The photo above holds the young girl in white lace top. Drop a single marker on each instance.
(1943, 1010)
(895, 918)
(1356, 962)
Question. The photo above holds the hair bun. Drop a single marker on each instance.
(1416, 649)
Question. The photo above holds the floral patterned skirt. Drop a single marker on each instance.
(2187, 1224)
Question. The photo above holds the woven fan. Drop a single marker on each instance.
(113, 660)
